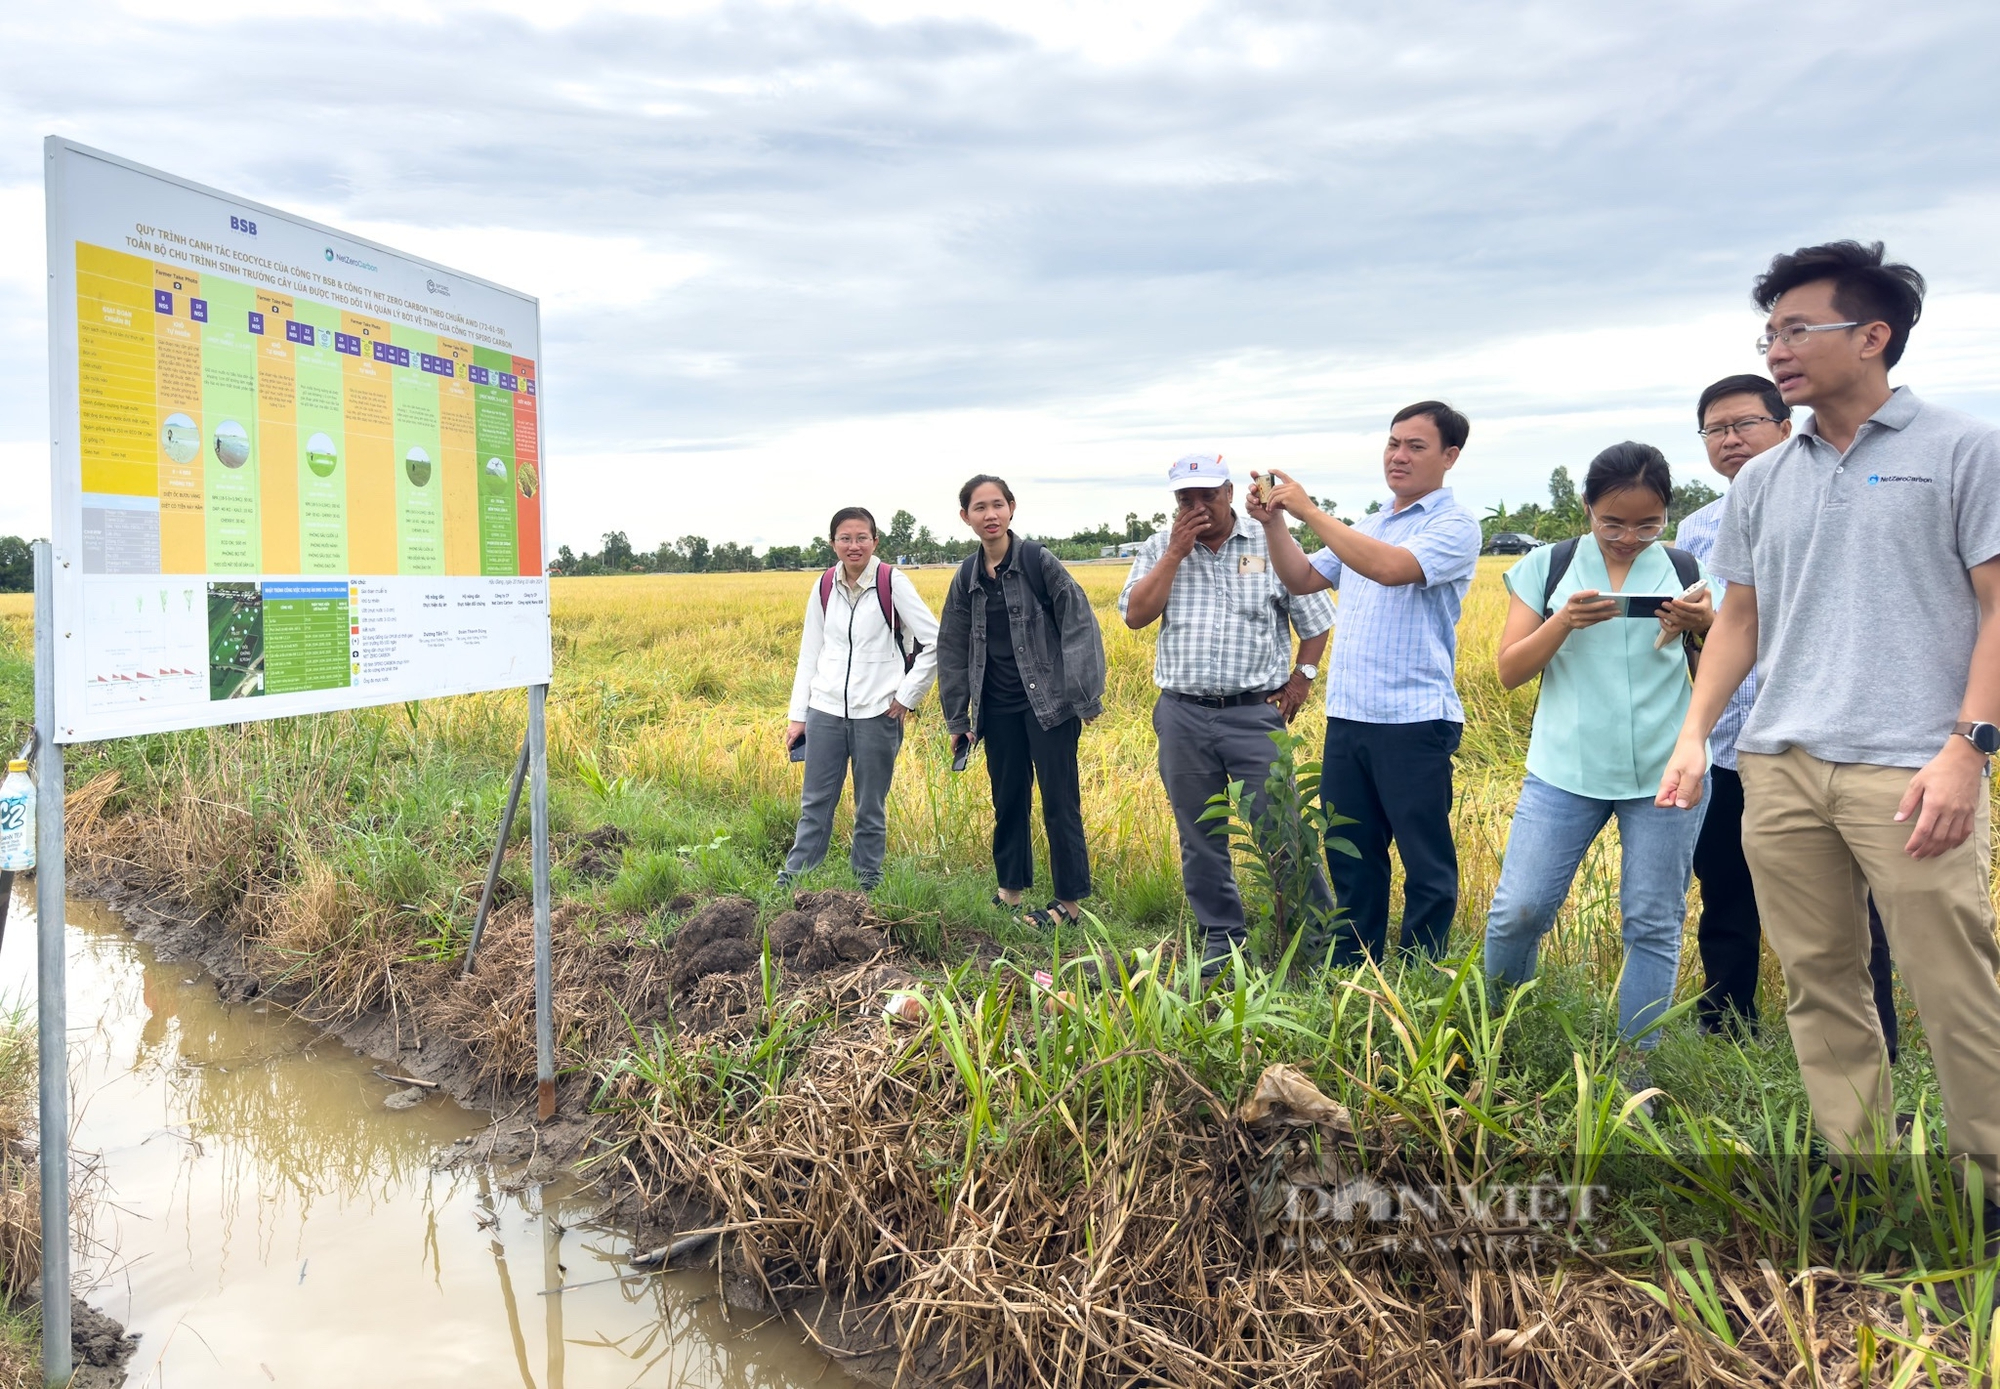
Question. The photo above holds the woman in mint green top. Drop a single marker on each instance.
(1611, 703)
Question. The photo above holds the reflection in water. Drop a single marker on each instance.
(264, 1220)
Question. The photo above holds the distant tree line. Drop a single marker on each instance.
(906, 541)
(903, 540)
(1564, 515)
(17, 565)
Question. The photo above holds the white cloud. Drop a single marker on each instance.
(896, 241)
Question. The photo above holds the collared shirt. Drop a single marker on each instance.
(1866, 615)
(1395, 646)
(1696, 534)
(1228, 625)
(1611, 702)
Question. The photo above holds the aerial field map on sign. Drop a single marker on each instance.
(301, 471)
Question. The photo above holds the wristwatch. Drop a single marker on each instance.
(1311, 673)
(1984, 736)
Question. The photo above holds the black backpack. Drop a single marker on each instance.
(1686, 568)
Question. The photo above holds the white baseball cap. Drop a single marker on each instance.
(1198, 470)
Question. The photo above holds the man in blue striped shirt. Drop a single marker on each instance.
(1393, 714)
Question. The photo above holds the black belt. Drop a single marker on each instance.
(1221, 701)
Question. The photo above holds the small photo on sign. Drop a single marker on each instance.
(321, 456)
(529, 481)
(181, 438)
(235, 640)
(417, 465)
(232, 444)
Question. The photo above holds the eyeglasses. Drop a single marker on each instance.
(1626, 532)
(1738, 427)
(1795, 336)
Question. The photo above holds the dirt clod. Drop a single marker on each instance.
(96, 1340)
(721, 938)
(601, 853)
(406, 1099)
(825, 929)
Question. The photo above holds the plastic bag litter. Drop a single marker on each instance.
(1284, 1097)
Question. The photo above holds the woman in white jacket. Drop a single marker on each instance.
(867, 657)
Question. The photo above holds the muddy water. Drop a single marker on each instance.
(260, 1218)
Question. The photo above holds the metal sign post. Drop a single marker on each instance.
(51, 1010)
(545, 1042)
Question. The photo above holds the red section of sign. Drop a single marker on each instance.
(528, 469)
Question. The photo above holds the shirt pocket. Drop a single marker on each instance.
(1252, 595)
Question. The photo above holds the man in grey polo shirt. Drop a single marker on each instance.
(1865, 758)
(1227, 675)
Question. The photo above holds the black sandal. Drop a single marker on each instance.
(1050, 917)
(1004, 905)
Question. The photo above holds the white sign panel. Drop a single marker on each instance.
(294, 471)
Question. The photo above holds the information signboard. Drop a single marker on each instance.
(294, 471)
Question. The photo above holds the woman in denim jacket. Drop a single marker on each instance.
(1021, 668)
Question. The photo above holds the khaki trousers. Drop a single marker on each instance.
(1819, 835)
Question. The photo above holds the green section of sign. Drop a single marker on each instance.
(229, 407)
(322, 461)
(419, 446)
(305, 638)
(493, 423)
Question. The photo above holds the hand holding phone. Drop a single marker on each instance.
(961, 751)
(1687, 595)
(1587, 607)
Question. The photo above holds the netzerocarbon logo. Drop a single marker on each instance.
(1874, 478)
(345, 259)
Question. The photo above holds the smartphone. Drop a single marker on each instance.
(1688, 594)
(1643, 604)
(961, 753)
(798, 749)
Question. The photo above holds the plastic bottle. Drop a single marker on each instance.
(17, 819)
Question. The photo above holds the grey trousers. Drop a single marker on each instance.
(832, 744)
(1201, 752)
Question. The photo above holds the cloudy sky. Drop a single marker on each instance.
(793, 256)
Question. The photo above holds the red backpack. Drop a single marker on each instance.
(884, 577)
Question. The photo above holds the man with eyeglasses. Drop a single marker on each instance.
(1738, 418)
(1864, 759)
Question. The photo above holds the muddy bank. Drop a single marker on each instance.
(243, 971)
(264, 1216)
(472, 1040)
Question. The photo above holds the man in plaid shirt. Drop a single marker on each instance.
(1227, 674)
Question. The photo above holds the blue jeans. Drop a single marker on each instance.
(1552, 831)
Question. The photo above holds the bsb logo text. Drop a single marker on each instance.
(242, 224)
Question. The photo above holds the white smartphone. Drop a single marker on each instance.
(1693, 590)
